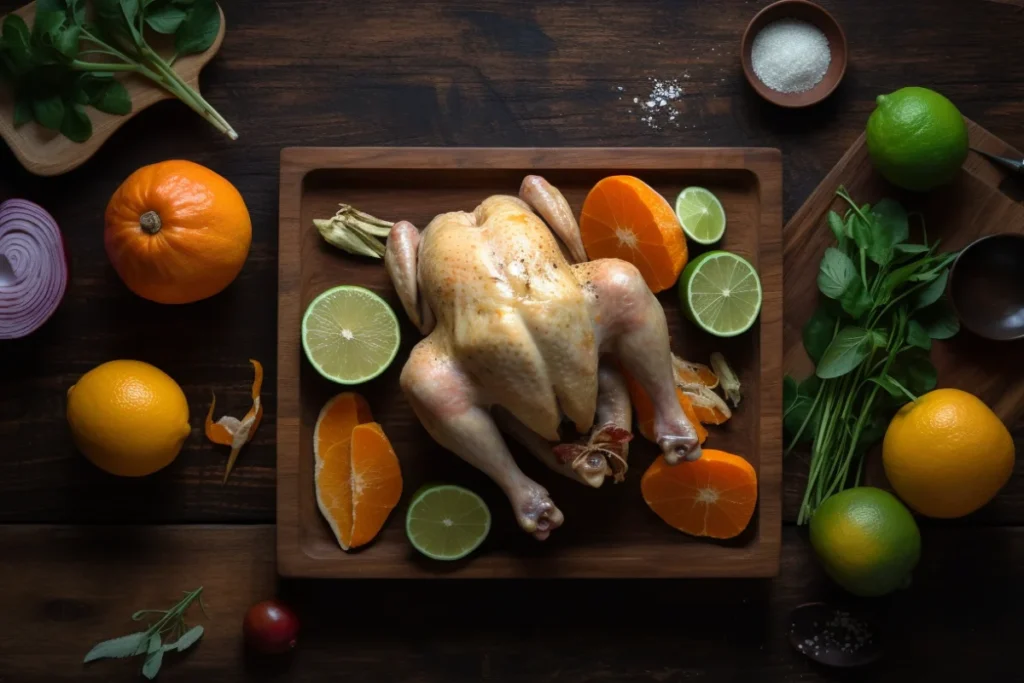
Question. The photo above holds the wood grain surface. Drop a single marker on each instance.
(448, 73)
(608, 532)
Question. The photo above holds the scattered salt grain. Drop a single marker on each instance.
(790, 56)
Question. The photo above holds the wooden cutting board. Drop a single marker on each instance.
(982, 200)
(609, 532)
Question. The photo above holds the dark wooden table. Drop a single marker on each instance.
(81, 550)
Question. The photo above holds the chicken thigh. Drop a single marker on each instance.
(518, 338)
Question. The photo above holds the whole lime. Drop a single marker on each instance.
(917, 138)
(867, 541)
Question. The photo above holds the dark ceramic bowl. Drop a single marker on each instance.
(812, 14)
(986, 286)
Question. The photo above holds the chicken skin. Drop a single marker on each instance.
(521, 334)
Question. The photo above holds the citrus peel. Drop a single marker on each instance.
(230, 431)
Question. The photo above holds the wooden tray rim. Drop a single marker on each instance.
(760, 558)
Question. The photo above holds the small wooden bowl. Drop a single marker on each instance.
(812, 14)
(986, 286)
(48, 153)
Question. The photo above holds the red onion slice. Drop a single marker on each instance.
(33, 268)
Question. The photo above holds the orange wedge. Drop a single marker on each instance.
(625, 218)
(358, 479)
(714, 496)
(645, 410)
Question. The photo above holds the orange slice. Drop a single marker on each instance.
(625, 218)
(714, 496)
(358, 480)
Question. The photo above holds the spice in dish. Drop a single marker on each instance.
(790, 56)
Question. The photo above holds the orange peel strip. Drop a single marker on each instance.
(230, 431)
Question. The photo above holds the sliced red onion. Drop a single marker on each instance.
(33, 268)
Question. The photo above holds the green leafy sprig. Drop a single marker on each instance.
(169, 625)
(869, 339)
(69, 58)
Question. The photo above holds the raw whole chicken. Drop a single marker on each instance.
(521, 333)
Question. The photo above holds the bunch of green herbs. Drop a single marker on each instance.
(869, 338)
(149, 643)
(71, 54)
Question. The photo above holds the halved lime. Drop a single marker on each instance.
(720, 292)
(447, 522)
(701, 215)
(350, 334)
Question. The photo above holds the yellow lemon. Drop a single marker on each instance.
(947, 454)
(128, 417)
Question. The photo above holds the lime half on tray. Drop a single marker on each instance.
(447, 522)
(350, 334)
(701, 215)
(721, 293)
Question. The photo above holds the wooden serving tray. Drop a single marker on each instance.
(46, 152)
(608, 532)
(982, 200)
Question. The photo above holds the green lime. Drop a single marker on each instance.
(720, 292)
(447, 522)
(867, 541)
(917, 138)
(701, 215)
(350, 334)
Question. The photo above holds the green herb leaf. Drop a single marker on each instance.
(836, 273)
(17, 39)
(918, 336)
(835, 223)
(873, 432)
(199, 29)
(818, 333)
(51, 6)
(46, 26)
(125, 646)
(810, 386)
(789, 390)
(67, 41)
(796, 415)
(76, 125)
(906, 248)
(879, 338)
(152, 665)
(130, 9)
(856, 300)
(858, 230)
(848, 350)
(930, 294)
(893, 387)
(187, 639)
(938, 320)
(890, 227)
(110, 96)
(165, 18)
(49, 111)
(22, 112)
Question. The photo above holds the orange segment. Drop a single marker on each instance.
(376, 482)
(645, 410)
(332, 438)
(714, 496)
(625, 218)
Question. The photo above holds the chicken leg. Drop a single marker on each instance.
(447, 403)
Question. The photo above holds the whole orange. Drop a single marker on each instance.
(947, 454)
(176, 232)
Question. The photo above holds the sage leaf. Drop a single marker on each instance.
(76, 125)
(187, 639)
(818, 333)
(848, 350)
(125, 646)
(152, 665)
(938, 320)
(836, 273)
(856, 300)
(918, 336)
(199, 29)
(930, 294)
(49, 112)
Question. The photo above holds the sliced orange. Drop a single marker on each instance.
(625, 218)
(714, 496)
(645, 410)
(358, 480)
(694, 373)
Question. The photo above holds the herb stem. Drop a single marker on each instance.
(79, 65)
